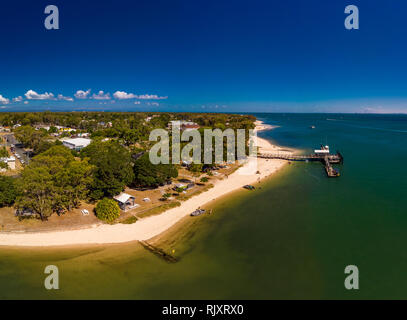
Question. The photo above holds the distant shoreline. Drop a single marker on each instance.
(261, 126)
(150, 227)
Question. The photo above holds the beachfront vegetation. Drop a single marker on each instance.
(113, 168)
(166, 196)
(54, 181)
(195, 167)
(159, 209)
(129, 220)
(148, 175)
(107, 210)
(8, 191)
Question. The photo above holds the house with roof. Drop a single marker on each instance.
(126, 201)
(65, 129)
(10, 161)
(183, 125)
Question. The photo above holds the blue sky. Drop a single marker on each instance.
(272, 56)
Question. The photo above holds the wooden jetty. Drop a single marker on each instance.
(330, 171)
(323, 156)
(158, 252)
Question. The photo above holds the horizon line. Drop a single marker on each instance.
(218, 112)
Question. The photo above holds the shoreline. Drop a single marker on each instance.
(151, 227)
(261, 126)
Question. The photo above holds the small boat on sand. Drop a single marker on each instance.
(249, 187)
(197, 212)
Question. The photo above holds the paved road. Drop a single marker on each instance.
(17, 150)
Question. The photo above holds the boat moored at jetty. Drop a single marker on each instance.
(323, 150)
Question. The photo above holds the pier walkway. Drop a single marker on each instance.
(326, 159)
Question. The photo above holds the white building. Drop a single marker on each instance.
(11, 162)
(76, 143)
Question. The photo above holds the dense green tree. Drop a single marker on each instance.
(107, 210)
(43, 146)
(113, 168)
(37, 191)
(28, 136)
(59, 151)
(3, 152)
(150, 175)
(72, 183)
(53, 129)
(195, 167)
(54, 181)
(130, 136)
(8, 191)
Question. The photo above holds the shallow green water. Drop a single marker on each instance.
(291, 239)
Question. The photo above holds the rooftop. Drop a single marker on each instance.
(123, 197)
(78, 141)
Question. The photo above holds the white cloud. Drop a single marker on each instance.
(153, 104)
(136, 102)
(25, 102)
(4, 100)
(61, 97)
(18, 99)
(123, 95)
(32, 95)
(150, 97)
(80, 94)
(101, 96)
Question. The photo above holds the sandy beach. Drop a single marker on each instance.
(261, 126)
(252, 171)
